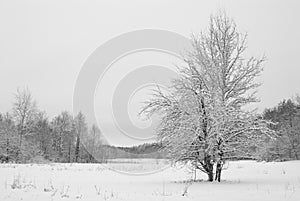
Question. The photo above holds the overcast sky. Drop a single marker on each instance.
(43, 44)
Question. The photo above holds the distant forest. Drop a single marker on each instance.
(28, 135)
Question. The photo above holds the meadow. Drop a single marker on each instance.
(148, 179)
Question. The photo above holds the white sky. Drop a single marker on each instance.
(43, 44)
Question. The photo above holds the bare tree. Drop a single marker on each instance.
(63, 135)
(42, 134)
(81, 129)
(93, 143)
(218, 60)
(287, 117)
(202, 117)
(8, 138)
(24, 112)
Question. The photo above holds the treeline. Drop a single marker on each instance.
(147, 150)
(28, 135)
(286, 118)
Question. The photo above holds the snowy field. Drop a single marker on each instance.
(243, 180)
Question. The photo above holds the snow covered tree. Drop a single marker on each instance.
(24, 113)
(63, 137)
(202, 119)
(287, 117)
(42, 134)
(80, 130)
(218, 57)
(93, 142)
(8, 139)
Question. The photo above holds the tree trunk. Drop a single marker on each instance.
(219, 176)
(210, 176)
(295, 151)
(19, 152)
(7, 150)
(77, 148)
(209, 168)
(220, 161)
(69, 152)
(218, 171)
(296, 154)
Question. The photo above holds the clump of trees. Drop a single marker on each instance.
(286, 117)
(203, 121)
(27, 134)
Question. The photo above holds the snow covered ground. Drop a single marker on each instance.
(242, 180)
